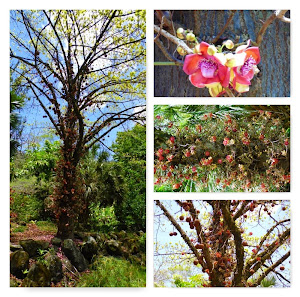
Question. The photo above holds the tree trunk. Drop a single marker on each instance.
(65, 227)
(68, 195)
(274, 77)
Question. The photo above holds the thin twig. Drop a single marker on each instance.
(225, 26)
(167, 54)
(278, 14)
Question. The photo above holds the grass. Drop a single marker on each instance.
(113, 272)
(15, 228)
(46, 226)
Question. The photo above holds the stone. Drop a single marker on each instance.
(38, 276)
(19, 263)
(56, 241)
(13, 283)
(113, 247)
(32, 247)
(67, 266)
(89, 248)
(15, 247)
(73, 253)
(54, 266)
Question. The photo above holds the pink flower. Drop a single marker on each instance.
(207, 70)
(243, 65)
(226, 141)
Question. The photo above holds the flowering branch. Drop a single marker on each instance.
(173, 39)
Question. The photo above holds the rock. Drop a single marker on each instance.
(113, 247)
(13, 283)
(15, 247)
(74, 255)
(38, 276)
(54, 266)
(67, 266)
(19, 262)
(56, 241)
(89, 248)
(32, 247)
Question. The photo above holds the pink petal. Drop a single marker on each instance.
(191, 63)
(199, 81)
(224, 75)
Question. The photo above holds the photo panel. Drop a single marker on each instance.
(78, 148)
(222, 243)
(221, 148)
(222, 53)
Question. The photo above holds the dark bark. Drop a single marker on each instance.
(274, 77)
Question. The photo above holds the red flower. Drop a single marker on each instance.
(206, 70)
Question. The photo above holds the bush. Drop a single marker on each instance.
(27, 199)
(113, 272)
(102, 218)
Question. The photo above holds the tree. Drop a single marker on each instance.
(130, 154)
(231, 243)
(214, 26)
(222, 148)
(86, 69)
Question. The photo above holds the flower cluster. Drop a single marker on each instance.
(209, 67)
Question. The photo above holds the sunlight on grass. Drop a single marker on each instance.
(113, 272)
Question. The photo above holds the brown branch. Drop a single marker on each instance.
(166, 53)
(271, 268)
(265, 255)
(237, 281)
(277, 14)
(181, 231)
(224, 28)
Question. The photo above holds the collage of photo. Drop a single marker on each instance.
(80, 162)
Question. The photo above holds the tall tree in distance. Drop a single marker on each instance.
(86, 69)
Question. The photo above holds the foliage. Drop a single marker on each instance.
(102, 218)
(38, 161)
(113, 272)
(222, 148)
(25, 206)
(193, 282)
(229, 243)
(130, 154)
(16, 102)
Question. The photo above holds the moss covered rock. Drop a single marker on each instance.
(32, 247)
(19, 263)
(73, 253)
(38, 276)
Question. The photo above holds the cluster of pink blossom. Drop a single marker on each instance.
(208, 67)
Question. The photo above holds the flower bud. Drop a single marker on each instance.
(190, 36)
(181, 51)
(196, 49)
(180, 33)
(228, 44)
(212, 50)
